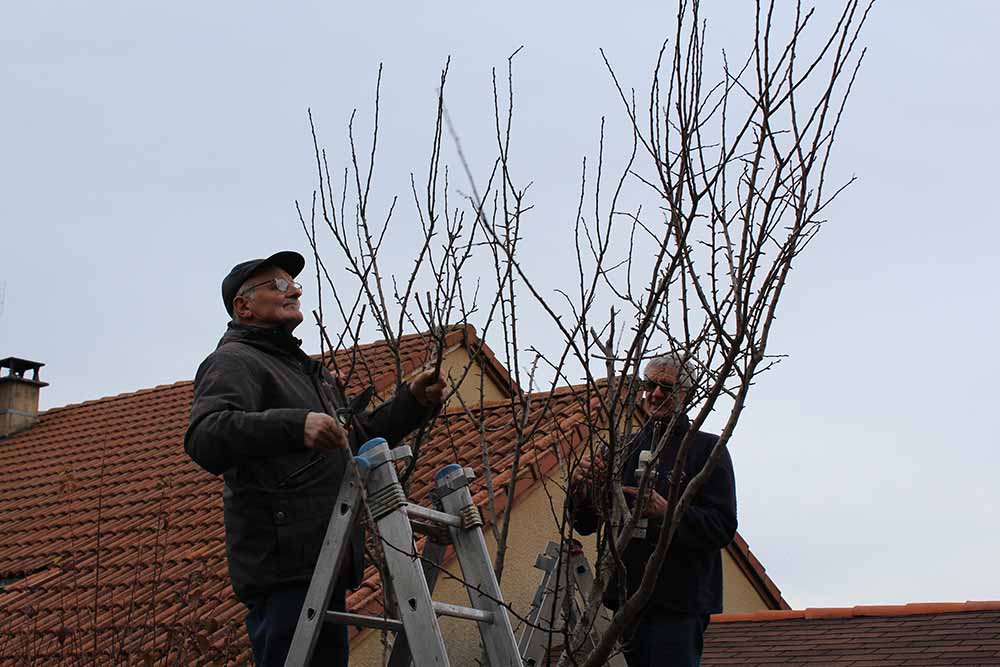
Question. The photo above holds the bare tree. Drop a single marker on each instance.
(449, 239)
(735, 169)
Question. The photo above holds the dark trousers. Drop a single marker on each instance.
(271, 626)
(666, 639)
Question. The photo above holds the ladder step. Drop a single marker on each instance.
(360, 620)
(440, 608)
(434, 531)
(427, 514)
(458, 611)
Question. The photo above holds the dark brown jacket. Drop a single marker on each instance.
(251, 397)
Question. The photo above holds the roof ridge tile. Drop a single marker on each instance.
(860, 611)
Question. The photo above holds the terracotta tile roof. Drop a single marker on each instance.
(963, 633)
(116, 469)
(113, 538)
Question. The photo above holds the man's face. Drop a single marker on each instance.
(266, 305)
(662, 392)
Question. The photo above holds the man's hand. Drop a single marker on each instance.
(324, 433)
(428, 388)
(583, 474)
(655, 506)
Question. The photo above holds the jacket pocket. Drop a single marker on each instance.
(300, 525)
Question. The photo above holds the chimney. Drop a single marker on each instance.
(18, 395)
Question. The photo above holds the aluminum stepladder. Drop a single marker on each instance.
(558, 603)
(372, 473)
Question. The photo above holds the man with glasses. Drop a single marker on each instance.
(688, 588)
(264, 417)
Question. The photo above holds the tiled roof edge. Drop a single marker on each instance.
(810, 613)
(116, 397)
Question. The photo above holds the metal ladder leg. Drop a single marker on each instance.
(583, 583)
(569, 568)
(477, 570)
(547, 608)
(431, 558)
(387, 501)
(331, 557)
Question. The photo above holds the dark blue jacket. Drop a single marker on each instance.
(690, 579)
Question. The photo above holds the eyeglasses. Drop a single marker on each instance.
(279, 284)
(665, 387)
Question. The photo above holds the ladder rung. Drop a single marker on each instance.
(421, 512)
(441, 608)
(435, 531)
(347, 618)
(458, 611)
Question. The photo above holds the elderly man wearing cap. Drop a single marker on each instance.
(262, 417)
(689, 586)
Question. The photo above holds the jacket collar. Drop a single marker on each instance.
(270, 339)
(656, 427)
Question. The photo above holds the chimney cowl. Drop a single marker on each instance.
(18, 394)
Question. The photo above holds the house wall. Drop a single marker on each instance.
(453, 365)
(738, 594)
(533, 525)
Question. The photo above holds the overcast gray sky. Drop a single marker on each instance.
(147, 147)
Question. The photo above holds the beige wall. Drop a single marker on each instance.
(454, 364)
(738, 594)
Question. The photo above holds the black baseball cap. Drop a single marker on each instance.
(289, 260)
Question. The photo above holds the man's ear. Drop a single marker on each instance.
(241, 307)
